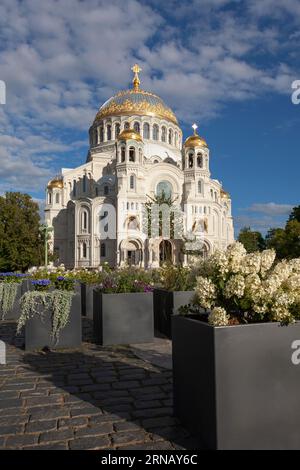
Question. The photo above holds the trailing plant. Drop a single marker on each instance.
(40, 302)
(8, 293)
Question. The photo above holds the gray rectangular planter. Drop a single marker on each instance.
(238, 387)
(166, 304)
(123, 318)
(87, 299)
(38, 331)
(14, 314)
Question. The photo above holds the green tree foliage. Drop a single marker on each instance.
(252, 241)
(286, 241)
(20, 241)
(295, 214)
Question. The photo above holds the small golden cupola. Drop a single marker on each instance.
(56, 182)
(195, 140)
(130, 134)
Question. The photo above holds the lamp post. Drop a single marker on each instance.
(45, 230)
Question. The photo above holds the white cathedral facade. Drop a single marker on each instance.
(136, 153)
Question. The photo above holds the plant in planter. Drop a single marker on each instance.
(174, 290)
(236, 383)
(123, 308)
(88, 281)
(51, 316)
(10, 293)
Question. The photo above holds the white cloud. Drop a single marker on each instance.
(271, 208)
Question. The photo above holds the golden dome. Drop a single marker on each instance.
(195, 140)
(136, 102)
(225, 194)
(56, 182)
(130, 134)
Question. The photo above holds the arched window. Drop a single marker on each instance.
(57, 198)
(170, 139)
(123, 154)
(176, 139)
(49, 198)
(136, 127)
(199, 186)
(117, 130)
(146, 131)
(155, 161)
(131, 154)
(164, 187)
(191, 160)
(84, 183)
(132, 182)
(102, 250)
(101, 134)
(108, 132)
(199, 160)
(84, 250)
(155, 132)
(164, 134)
(211, 194)
(132, 223)
(216, 197)
(74, 187)
(126, 125)
(106, 190)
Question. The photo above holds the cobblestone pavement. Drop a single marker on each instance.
(92, 398)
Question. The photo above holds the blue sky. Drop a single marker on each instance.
(228, 65)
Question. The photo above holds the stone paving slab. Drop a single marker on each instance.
(92, 398)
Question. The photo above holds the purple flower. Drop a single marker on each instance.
(41, 282)
(60, 278)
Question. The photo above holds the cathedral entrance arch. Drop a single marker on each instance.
(165, 252)
(131, 252)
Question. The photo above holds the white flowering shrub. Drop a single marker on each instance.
(248, 288)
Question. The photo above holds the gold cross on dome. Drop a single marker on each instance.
(136, 80)
(195, 127)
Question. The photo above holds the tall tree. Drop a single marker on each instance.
(276, 239)
(252, 240)
(295, 214)
(20, 240)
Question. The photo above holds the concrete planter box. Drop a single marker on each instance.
(87, 299)
(166, 304)
(38, 331)
(123, 318)
(238, 386)
(14, 314)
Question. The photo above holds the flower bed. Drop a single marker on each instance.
(175, 290)
(235, 382)
(51, 315)
(123, 308)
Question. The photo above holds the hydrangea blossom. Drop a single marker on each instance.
(218, 317)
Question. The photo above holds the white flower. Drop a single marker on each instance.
(251, 263)
(235, 287)
(295, 265)
(267, 259)
(205, 292)
(218, 317)
(219, 261)
(283, 270)
(235, 254)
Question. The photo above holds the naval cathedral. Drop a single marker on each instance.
(136, 155)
